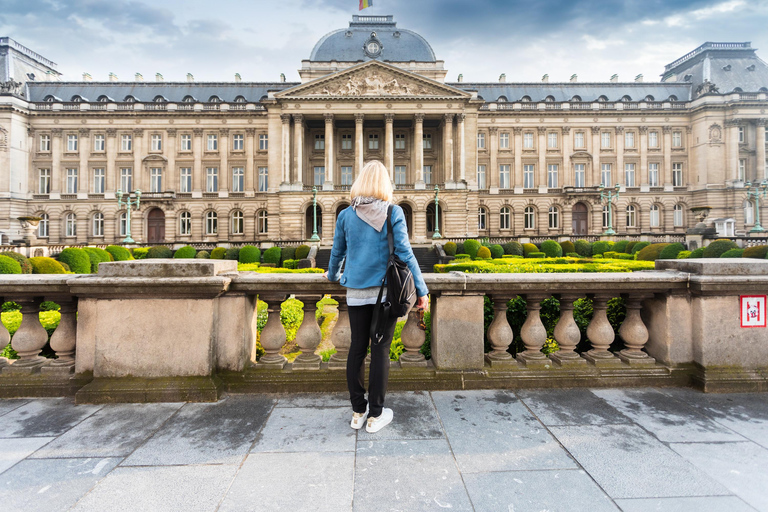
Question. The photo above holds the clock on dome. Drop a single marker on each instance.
(372, 46)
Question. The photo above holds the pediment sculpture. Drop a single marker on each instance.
(372, 83)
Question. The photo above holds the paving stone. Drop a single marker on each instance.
(17, 449)
(7, 405)
(570, 407)
(159, 488)
(668, 419)
(415, 417)
(695, 504)
(534, 491)
(628, 462)
(409, 476)
(51, 485)
(740, 467)
(494, 431)
(317, 481)
(115, 430)
(311, 429)
(48, 417)
(217, 433)
(314, 400)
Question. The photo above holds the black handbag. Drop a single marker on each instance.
(401, 291)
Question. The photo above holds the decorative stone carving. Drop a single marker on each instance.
(517, 130)
(111, 132)
(666, 129)
(250, 132)
(419, 117)
(328, 117)
(138, 132)
(600, 333)
(566, 130)
(341, 336)
(308, 336)
(595, 130)
(11, 87)
(389, 118)
(171, 132)
(706, 88)
(372, 82)
(460, 118)
(643, 129)
(448, 118)
(285, 118)
(197, 132)
(64, 337)
(715, 133)
(30, 338)
(542, 130)
(360, 117)
(619, 129)
(634, 333)
(56, 132)
(298, 118)
(224, 132)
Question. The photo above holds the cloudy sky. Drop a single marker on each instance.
(479, 38)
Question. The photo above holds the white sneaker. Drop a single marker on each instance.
(358, 419)
(381, 421)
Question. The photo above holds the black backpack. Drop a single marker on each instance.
(401, 290)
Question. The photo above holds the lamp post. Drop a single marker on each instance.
(609, 195)
(314, 237)
(760, 190)
(128, 203)
(437, 216)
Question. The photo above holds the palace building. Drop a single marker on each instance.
(235, 162)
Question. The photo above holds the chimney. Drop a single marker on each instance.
(87, 77)
(238, 78)
(190, 78)
(460, 78)
(139, 77)
(112, 77)
(545, 79)
(614, 78)
(574, 77)
(282, 77)
(158, 77)
(502, 77)
(639, 78)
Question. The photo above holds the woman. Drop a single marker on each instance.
(361, 241)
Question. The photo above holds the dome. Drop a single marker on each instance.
(370, 38)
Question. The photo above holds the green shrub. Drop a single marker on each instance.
(287, 253)
(43, 265)
(639, 246)
(9, 266)
(272, 255)
(65, 267)
(733, 253)
(218, 253)
(576, 255)
(302, 252)
(758, 251)
(536, 255)
(513, 248)
(529, 248)
(583, 248)
(551, 248)
(97, 256)
(671, 251)
(594, 256)
(697, 253)
(233, 253)
(26, 267)
(159, 252)
(618, 255)
(185, 252)
(682, 255)
(471, 247)
(497, 251)
(601, 246)
(290, 263)
(119, 253)
(513, 256)
(629, 247)
(140, 253)
(483, 253)
(77, 259)
(718, 247)
(449, 248)
(568, 246)
(460, 248)
(203, 255)
(620, 246)
(250, 254)
(650, 252)
(462, 257)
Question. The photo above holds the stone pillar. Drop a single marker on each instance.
(309, 336)
(565, 175)
(57, 179)
(448, 148)
(286, 149)
(634, 333)
(533, 333)
(329, 160)
(642, 173)
(84, 149)
(250, 176)
(389, 146)
(457, 331)
(413, 339)
(492, 174)
(198, 173)
(64, 338)
(617, 174)
(341, 336)
(667, 180)
(170, 179)
(138, 155)
(462, 149)
(298, 149)
(500, 334)
(733, 148)
(418, 144)
(762, 172)
(601, 333)
(517, 172)
(593, 178)
(273, 334)
(30, 338)
(540, 180)
(112, 179)
(224, 171)
(567, 334)
(359, 151)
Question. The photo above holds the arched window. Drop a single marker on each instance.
(76, 99)
(504, 218)
(525, 99)
(501, 99)
(631, 216)
(672, 97)
(602, 99)
(749, 212)
(554, 217)
(188, 99)
(49, 99)
(549, 99)
(129, 99)
(482, 219)
(576, 98)
(529, 218)
(655, 214)
(185, 223)
(238, 222)
(159, 99)
(98, 224)
(606, 217)
(626, 98)
(240, 99)
(122, 227)
(42, 227)
(649, 98)
(262, 227)
(211, 223)
(103, 99)
(71, 224)
(678, 216)
(214, 99)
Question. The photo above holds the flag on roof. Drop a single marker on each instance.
(365, 3)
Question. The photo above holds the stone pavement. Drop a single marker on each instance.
(533, 450)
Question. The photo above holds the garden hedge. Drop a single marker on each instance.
(718, 247)
(77, 259)
(463, 257)
(568, 246)
(302, 251)
(515, 248)
(97, 256)
(671, 251)
(483, 253)
(620, 246)
(551, 248)
(629, 247)
(140, 253)
(43, 265)
(497, 251)
(203, 255)
(639, 246)
(290, 263)
(682, 255)
(450, 248)
(471, 247)
(697, 253)
(119, 253)
(26, 267)
(218, 253)
(272, 255)
(651, 252)
(250, 254)
(185, 252)
(233, 253)
(460, 248)
(583, 248)
(287, 253)
(159, 252)
(733, 253)
(529, 248)
(536, 255)
(9, 266)
(758, 251)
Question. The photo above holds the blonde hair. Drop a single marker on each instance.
(373, 181)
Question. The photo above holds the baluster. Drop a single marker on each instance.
(30, 338)
(500, 334)
(5, 339)
(309, 336)
(341, 336)
(413, 339)
(533, 333)
(273, 334)
(634, 334)
(64, 338)
(600, 334)
(567, 334)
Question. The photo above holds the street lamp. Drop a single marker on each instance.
(608, 195)
(314, 237)
(437, 216)
(760, 190)
(128, 203)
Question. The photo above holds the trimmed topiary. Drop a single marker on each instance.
(568, 246)
(460, 248)
(733, 253)
(536, 255)
(9, 266)
(203, 255)
(718, 247)
(159, 252)
(483, 253)
(450, 248)
(529, 248)
(26, 267)
(471, 247)
(671, 251)
(251, 254)
(290, 263)
(758, 251)
(43, 265)
(576, 255)
(119, 253)
(620, 246)
(218, 253)
(683, 255)
(629, 247)
(65, 267)
(77, 259)
(651, 252)
(302, 251)
(233, 253)
(639, 246)
(287, 253)
(97, 256)
(272, 256)
(583, 248)
(697, 253)
(600, 247)
(140, 253)
(462, 256)
(551, 248)
(513, 248)
(497, 251)
(186, 252)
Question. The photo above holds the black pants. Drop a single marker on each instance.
(360, 324)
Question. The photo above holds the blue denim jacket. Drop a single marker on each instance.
(367, 251)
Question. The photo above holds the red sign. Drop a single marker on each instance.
(753, 311)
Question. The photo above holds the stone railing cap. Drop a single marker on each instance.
(158, 268)
(717, 266)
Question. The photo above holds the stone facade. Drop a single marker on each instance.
(236, 162)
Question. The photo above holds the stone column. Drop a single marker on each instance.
(733, 148)
(224, 171)
(198, 173)
(329, 161)
(634, 333)
(565, 175)
(448, 148)
(567, 334)
(540, 180)
(533, 333)
(64, 338)
(492, 173)
(517, 172)
(170, 180)
(341, 336)
(601, 333)
(309, 336)
(418, 144)
(413, 339)
(285, 176)
(762, 173)
(462, 149)
(359, 151)
(500, 334)
(593, 178)
(618, 174)
(298, 149)
(84, 174)
(273, 334)
(30, 338)
(642, 173)
(667, 180)
(250, 177)
(112, 179)
(57, 180)
(138, 154)
(389, 146)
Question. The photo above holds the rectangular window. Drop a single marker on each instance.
(481, 183)
(504, 140)
(578, 140)
(653, 139)
(319, 176)
(263, 142)
(263, 179)
(528, 176)
(528, 140)
(346, 175)
(45, 143)
(677, 139)
(552, 181)
(426, 141)
(742, 168)
(125, 179)
(126, 142)
(185, 174)
(123, 224)
(185, 224)
(480, 141)
(186, 142)
(71, 142)
(213, 142)
(373, 141)
(427, 174)
(238, 179)
(212, 179)
(579, 175)
(319, 142)
(399, 175)
(552, 140)
(629, 139)
(629, 175)
(605, 175)
(654, 217)
(677, 217)
(71, 181)
(742, 138)
(98, 180)
(44, 181)
(677, 174)
(98, 143)
(238, 142)
(504, 176)
(653, 175)
(605, 139)
(399, 141)
(156, 141)
(71, 225)
(346, 141)
(156, 179)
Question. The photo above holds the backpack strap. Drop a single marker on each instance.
(390, 236)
